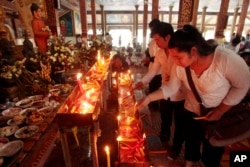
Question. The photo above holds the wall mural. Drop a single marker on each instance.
(66, 24)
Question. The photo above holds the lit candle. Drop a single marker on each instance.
(118, 142)
(118, 118)
(108, 155)
(78, 77)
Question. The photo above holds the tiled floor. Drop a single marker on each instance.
(158, 154)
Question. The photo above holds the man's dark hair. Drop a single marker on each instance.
(34, 7)
(163, 29)
(154, 23)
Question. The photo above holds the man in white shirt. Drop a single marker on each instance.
(174, 103)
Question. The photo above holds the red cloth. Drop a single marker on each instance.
(40, 36)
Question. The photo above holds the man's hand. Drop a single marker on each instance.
(138, 85)
(143, 103)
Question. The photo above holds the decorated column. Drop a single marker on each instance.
(185, 12)
(51, 15)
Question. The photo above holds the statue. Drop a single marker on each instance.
(41, 31)
(7, 51)
(29, 53)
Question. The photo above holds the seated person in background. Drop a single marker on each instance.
(41, 31)
(119, 63)
(237, 43)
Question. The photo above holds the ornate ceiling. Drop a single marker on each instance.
(128, 5)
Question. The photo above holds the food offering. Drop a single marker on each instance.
(33, 117)
(38, 103)
(10, 112)
(27, 102)
(46, 110)
(26, 131)
(11, 148)
(36, 97)
(16, 120)
(8, 131)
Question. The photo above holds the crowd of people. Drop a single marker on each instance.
(214, 71)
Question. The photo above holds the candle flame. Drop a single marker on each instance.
(118, 117)
(107, 149)
(119, 138)
(79, 75)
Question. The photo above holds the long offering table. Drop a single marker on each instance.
(78, 109)
(37, 135)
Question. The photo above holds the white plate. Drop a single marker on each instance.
(46, 110)
(8, 130)
(24, 103)
(16, 120)
(26, 111)
(10, 112)
(11, 148)
(26, 131)
(38, 120)
(36, 97)
(38, 103)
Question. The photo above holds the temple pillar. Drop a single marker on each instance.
(83, 14)
(170, 13)
(136, 21)
(204, 10)
(236, 10)
(145, 24)
(222, 20)
(93, 14)
(186, 9)
(155, 9)
(243, 15)
(103, 20)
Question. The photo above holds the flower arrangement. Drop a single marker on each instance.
(12, 71)
(28, 82)
(61, 54)
(90, 48)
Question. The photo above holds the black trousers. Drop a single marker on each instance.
(168, 109)
(193, 131)
(153, 85)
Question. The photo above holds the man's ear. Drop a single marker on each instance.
(193, 51)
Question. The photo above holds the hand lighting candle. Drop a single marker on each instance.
(78, 77)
